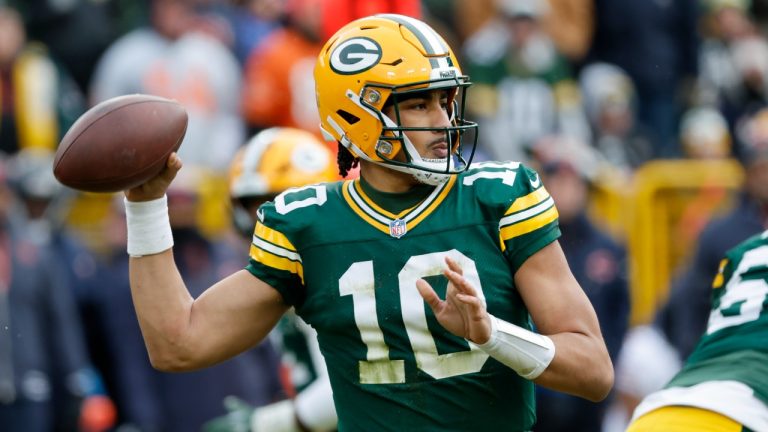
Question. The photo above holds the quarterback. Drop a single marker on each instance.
(437, 288)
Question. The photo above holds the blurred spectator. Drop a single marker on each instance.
(279, 88)
(598, 263)
(683, 318)
(41, 215)
(750, 60)
(43, 199)
(571, 24)
(468, 17)
(42, 206)
(610, 103)
(724, 22)
(646, 363)
(656, 42)
(153, 401)
(523, 87)
(45, 373)
(38, 101)
(252, 21)
(76, 31)
(177, 57)
(704, 134)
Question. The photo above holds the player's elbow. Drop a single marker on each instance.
(171, 363)
(163, 364)
(172, 357)
(600, 384)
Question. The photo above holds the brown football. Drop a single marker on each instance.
(120, 143)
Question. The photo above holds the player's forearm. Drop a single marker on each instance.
(581, 367)
(163, 306)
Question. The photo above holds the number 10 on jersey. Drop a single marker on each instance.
(378, 368)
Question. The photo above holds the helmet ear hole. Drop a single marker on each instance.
(348, 117)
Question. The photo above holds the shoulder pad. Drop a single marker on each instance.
(500, 184)
(296, 209)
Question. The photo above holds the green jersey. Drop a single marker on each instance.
(350, 269)
(727, 373)
(735, 345)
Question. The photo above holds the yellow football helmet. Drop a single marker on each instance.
(272, 161)
(371, 62)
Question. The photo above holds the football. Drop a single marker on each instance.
(120, 143)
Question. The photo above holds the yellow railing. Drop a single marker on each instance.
(671, 201)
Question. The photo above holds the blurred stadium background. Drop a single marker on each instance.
(665, 100)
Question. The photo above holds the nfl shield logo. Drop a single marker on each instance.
(397, 228)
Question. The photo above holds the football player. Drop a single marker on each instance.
(722, 386)
(438, 289)
(272, 161)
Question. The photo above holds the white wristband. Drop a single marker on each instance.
(149, 229)
(526, 352)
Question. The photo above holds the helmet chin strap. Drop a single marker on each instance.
(431, 178)
(422, 176)
(425, 177)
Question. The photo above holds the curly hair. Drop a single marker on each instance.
(346, 160)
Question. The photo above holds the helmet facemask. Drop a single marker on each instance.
(393, 140)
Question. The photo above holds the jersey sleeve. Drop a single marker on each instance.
(273, 257)
(530, 220)
(512, 196)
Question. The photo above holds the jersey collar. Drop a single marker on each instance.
(383, 220)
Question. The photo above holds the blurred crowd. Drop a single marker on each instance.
(625, 108)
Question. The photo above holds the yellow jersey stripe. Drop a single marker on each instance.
(527, 213)
(275, 250)
(277, 262)
(375, 207)
(273, 236)
(529, 225)
(528, 201)
(355, 208)
(432, 206)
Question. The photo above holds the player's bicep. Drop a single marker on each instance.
(554, 298)
(235, 314)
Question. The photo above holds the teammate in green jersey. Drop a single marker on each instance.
(274, 160)
(723, 386)
(424, 278)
